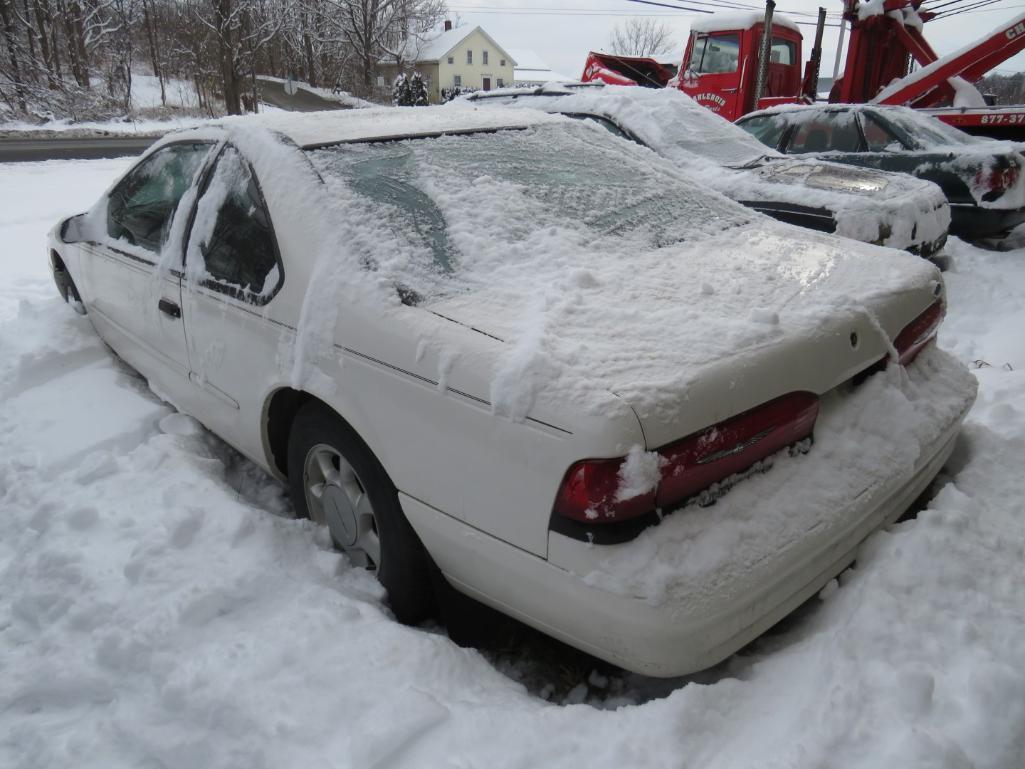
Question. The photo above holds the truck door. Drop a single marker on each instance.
(712, 75)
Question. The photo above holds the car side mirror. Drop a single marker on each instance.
(73, 229)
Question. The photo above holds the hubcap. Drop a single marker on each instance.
(336, 498)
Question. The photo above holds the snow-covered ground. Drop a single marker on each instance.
(157, 117)
(158, 607)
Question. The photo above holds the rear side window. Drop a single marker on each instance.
(232, 248)
(829, 132)
(715, 55)
(878, 138)
(141, 207)
(767, 130)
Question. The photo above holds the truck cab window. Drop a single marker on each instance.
(715, 54)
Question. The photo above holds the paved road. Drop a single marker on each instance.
(19, 150)
(58, 148)
(273, 92)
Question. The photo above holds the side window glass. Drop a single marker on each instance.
(716, 54)
(782, 51)
(141, 207)
(877, 137)
(836, 132)
(767, 130)
(232, 243)
(605, 123)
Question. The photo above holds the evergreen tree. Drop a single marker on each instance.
(420, 97)
(402, 92)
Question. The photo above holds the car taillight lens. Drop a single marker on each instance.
(919, 332)
(997, 181)
(698, 461)
(588, 494)
(589, 489)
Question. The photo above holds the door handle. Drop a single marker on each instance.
(169, 308)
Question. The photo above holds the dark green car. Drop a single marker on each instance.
(981, 178)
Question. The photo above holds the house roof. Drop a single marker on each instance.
(531, 68)
(438, 47)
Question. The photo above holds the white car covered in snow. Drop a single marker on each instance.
(510, 347)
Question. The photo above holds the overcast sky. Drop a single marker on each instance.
(562, 31)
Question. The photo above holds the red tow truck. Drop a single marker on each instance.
(732, 68)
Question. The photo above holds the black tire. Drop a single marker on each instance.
(404, 568)
(67, 288)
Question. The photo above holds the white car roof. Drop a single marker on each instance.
(311, 129)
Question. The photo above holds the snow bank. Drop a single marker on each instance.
(158, 607)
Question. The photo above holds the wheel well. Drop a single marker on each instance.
(57, 262)
(284, 404)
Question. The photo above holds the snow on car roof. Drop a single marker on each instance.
(665, 118)
(719, 22)
(311, 129)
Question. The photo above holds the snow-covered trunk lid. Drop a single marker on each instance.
(690, 335)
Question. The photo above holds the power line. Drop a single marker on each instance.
(729, 5)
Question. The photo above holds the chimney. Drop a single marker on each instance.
(448, 25)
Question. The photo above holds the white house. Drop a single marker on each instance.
(460, 57)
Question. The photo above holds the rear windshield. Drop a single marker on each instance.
(445, 210)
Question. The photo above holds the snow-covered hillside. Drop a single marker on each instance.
(159, 607)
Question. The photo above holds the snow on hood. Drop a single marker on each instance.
(896, 210)
(600, 268)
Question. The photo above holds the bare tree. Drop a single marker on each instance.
(639, 36)
(376, 29)
(55, 53)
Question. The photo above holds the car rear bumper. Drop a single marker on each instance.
(690, 642)
(585, 597)
(971, 221)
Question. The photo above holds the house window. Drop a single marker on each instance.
(457, 81)
(502, 63)
(469, 56)
(501, 83)
(380, 80)
(451, 59)
(484, 57)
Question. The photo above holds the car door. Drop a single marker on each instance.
(233, 270)
(712, 76)
(132, 275)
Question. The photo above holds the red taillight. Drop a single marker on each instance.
(996, 181)
(696, 462)
(590, 488)
(919, 332)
